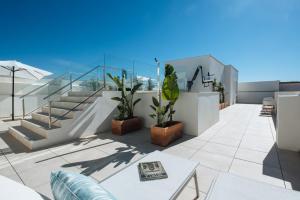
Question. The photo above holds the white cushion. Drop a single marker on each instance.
(12, 190)
(231, 187)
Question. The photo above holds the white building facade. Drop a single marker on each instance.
(211, 69)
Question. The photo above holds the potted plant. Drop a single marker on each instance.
(166, 130)
(214, 85)
(218, 87)
(125, 122)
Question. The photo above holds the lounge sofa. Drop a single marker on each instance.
(12, 190)
(231, 187)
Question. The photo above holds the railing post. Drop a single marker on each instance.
(104, 71)
(71, 81)
(132, 76)
(97, 77)
(104, 80)
(49, 114)
(23, 107)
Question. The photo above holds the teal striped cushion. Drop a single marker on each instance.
(72, 186)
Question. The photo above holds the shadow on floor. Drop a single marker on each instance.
(135, 143)
(284, 165)
(44, 197)
(123, 155)
(290, 164)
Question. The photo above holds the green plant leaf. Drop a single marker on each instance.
(167, 107)
(151, 106)
(136, 87)
(170, 89)
(136, 101)
(117, 99)
(155, 102)
(169, 69)
(152, 116)
(116, 80)
(110, 76)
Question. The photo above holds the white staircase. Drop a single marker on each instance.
(35, 133)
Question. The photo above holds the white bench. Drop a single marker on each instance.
(12, 190)
(126, 184)
(231, 187)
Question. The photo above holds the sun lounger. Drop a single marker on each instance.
(15, 191)
(231, 187)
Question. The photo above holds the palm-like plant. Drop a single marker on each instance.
(221, 90)
(160, 112)
(214, 85)
(170, 89)
(126, 106)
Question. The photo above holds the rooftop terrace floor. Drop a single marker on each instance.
(242, 143)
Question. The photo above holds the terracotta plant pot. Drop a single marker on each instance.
(222, 106)
(164, 136)
(120, 127)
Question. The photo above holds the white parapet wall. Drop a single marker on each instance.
(288, 126)
(254, 92)
(226, 74)
(198, 111)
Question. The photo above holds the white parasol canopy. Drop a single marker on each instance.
(13, 69)
(21, 70)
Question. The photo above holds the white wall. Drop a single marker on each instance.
(254, 92)
(285, 93)
(288, 126)
(198, 111)
(188, 67)
(230, 84)
(228, 75)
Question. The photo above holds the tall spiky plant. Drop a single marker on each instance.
(170, 89)
(126, 106)
(160, 112)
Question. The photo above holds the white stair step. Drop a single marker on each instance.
(45, 119)
(24, 135)
(68, 105)
(78, 99)
(84, 93)
(37, 127)
(59, 112)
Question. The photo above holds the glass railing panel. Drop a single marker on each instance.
(182, 81)
(93, 81)
(118, 72)
(34, 98)
(31, 86)
(147, 75)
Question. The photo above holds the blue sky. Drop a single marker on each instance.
(259, 37)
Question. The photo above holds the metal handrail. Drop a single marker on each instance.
(36, 89)
(61, 88)
(72, 109)
(70, 83)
